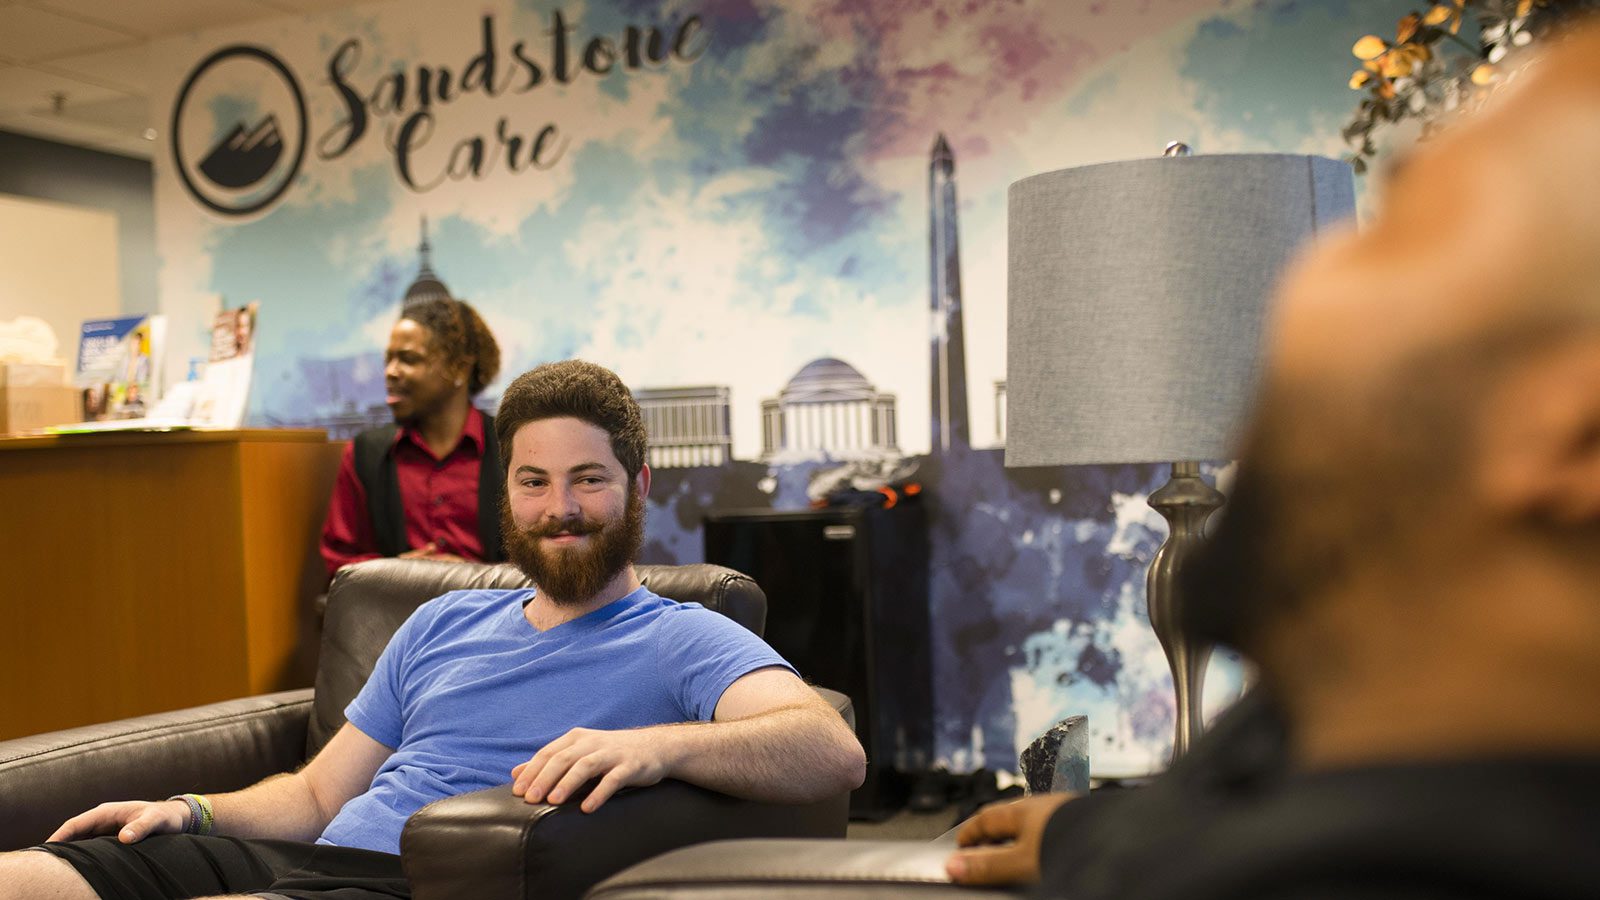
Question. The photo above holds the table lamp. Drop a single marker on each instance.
(1136, 297)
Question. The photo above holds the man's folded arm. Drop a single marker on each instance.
(772, 738)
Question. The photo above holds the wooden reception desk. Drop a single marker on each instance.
(143, 572)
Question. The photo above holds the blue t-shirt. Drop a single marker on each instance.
(467, 689)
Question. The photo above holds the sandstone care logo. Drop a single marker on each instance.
(240, 127)
(256, 139)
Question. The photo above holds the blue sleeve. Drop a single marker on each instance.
(378, 710)
(702, 652)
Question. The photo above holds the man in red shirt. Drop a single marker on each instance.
(419, 488)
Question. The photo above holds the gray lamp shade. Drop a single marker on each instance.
(1136, 293)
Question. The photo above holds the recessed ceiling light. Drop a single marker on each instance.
(149, 134)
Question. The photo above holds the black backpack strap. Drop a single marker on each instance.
(491, 486)
(374, 458)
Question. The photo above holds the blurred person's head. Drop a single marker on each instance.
(440, 356)
(1418, 496)
(243, 326)
(94, 400)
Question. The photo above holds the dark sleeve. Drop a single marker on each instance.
(347, 535)
(1184, 827)
(1065, 848)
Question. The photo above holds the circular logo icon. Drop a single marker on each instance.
(239, 130)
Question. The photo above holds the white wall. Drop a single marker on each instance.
(57, 262)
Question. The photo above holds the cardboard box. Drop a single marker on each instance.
(32, 373)
(29, 408)
(34, 395)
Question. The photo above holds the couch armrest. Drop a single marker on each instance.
(796, 870)
(47, 778)
(491, 843)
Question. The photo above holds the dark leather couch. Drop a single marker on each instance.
(797, 870)
(487, 844)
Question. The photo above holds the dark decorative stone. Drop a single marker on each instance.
(1059, 760)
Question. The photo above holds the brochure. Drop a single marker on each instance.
(119, 364)
(223, 393)
(215, 398)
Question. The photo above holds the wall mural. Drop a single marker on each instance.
(781, 221)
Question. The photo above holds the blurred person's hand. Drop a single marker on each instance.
(431, 550)
(1000, 845)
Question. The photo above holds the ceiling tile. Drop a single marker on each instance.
(28, 34)
(95, 52)
(25, 90)
(125, 67)
(126, 115)
(163, 17)
(315, 6)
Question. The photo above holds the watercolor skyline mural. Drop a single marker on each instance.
(712, 197)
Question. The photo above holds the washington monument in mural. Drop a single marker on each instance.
(949, 366)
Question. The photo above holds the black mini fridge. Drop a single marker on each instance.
(847, 605)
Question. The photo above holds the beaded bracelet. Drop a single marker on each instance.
(200, 815)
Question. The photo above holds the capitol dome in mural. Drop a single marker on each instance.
(829, 410)
(427, 285)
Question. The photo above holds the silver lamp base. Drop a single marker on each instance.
(1186, 501)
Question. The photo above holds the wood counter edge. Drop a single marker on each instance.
(190, 436)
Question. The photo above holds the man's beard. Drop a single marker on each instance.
(1318, 497)
(1300, 514)
(1236, 582)
(571, 576)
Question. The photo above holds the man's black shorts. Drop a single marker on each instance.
(169, 866)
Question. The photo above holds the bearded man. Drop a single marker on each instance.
(1411, 555)
(589, 677)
